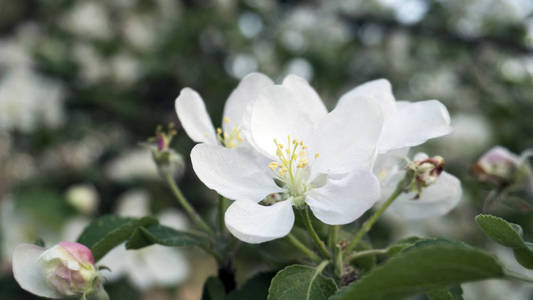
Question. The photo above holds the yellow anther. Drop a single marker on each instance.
(280, 146)
(226, 135)
(239, 137)
(219, 131)
(317, 155)
(301, 143)
(382, 174)
(226, 120)
(294, 141)
(273, 165)
(302, 153)
(288, 151)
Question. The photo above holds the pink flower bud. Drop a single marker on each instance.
(498, 166)
(69, 268)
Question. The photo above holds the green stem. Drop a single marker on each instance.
(402, 185)
(320, 244)
(185, 204)
(220, 217)
(364, 253)
(296, 243)
(318, 271)
(332, 241)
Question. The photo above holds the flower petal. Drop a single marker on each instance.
(307, 97)
(254, 223)
(379, 90)
(414, 124)
(194, 117)
(436, 200)
(157, 265)
(233, 173)
(347, 138)
(342, 200)
(239, 99)
(276, 114)
(28, 274)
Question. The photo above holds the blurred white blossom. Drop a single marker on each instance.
(29, 101)
(131, 165)
(83, 197)
(88, 19)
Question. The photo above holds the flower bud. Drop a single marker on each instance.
(168, 161)
(69, 268)
(424, 171)
(498, 167)
(83, 197)
(428, 170)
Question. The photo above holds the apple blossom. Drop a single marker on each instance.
(302, 155)
(64, 270)
(433, 192)
(193, 116)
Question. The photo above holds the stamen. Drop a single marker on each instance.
(226, 120)
(317, 155)
(273, 165)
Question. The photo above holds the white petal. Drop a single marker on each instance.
(343, 200)
(194, 117)
(28, 274)
(379, 90)
(254, 223)
(167, 266)
(436, 200)
(387, 162)
(116, 260)
(239, 99)
(347, 138)
(233, 173)
(276, 114)
(414, 124)
(307, 97)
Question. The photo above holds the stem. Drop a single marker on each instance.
(185, 204)
(296, 243)
(318, 270)
(220, 216)
(314, 235)
(404, 183)
(333, 233)
(367, 253)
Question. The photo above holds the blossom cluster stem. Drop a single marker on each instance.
(296, 243)
(400, 188)
(185, 204)
(320, 244)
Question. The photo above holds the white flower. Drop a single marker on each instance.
(133, 165)
(440, 193)
(303, 155)
(88, 19)
(406, 124)
(193, 116)
(28, 100)
(153, 265)
(66, 269)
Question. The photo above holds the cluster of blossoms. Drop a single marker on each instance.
(279, 147)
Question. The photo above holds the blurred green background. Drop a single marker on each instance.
(83, 82)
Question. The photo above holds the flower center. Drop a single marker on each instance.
(292, 167)
(229, 139)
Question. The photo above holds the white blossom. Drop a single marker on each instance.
(301, 155)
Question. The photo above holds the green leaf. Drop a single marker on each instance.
(301, 282)
(501, 231)
(107, 232)
(213, 289)
(509, 235)
(440, 294)
(255, 288)
(426, 266)
(162, 235)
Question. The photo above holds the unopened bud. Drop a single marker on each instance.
(168, 161)
(428, 170)
(83, 197)
(69, 268)
(423, 172)
(498, 167)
